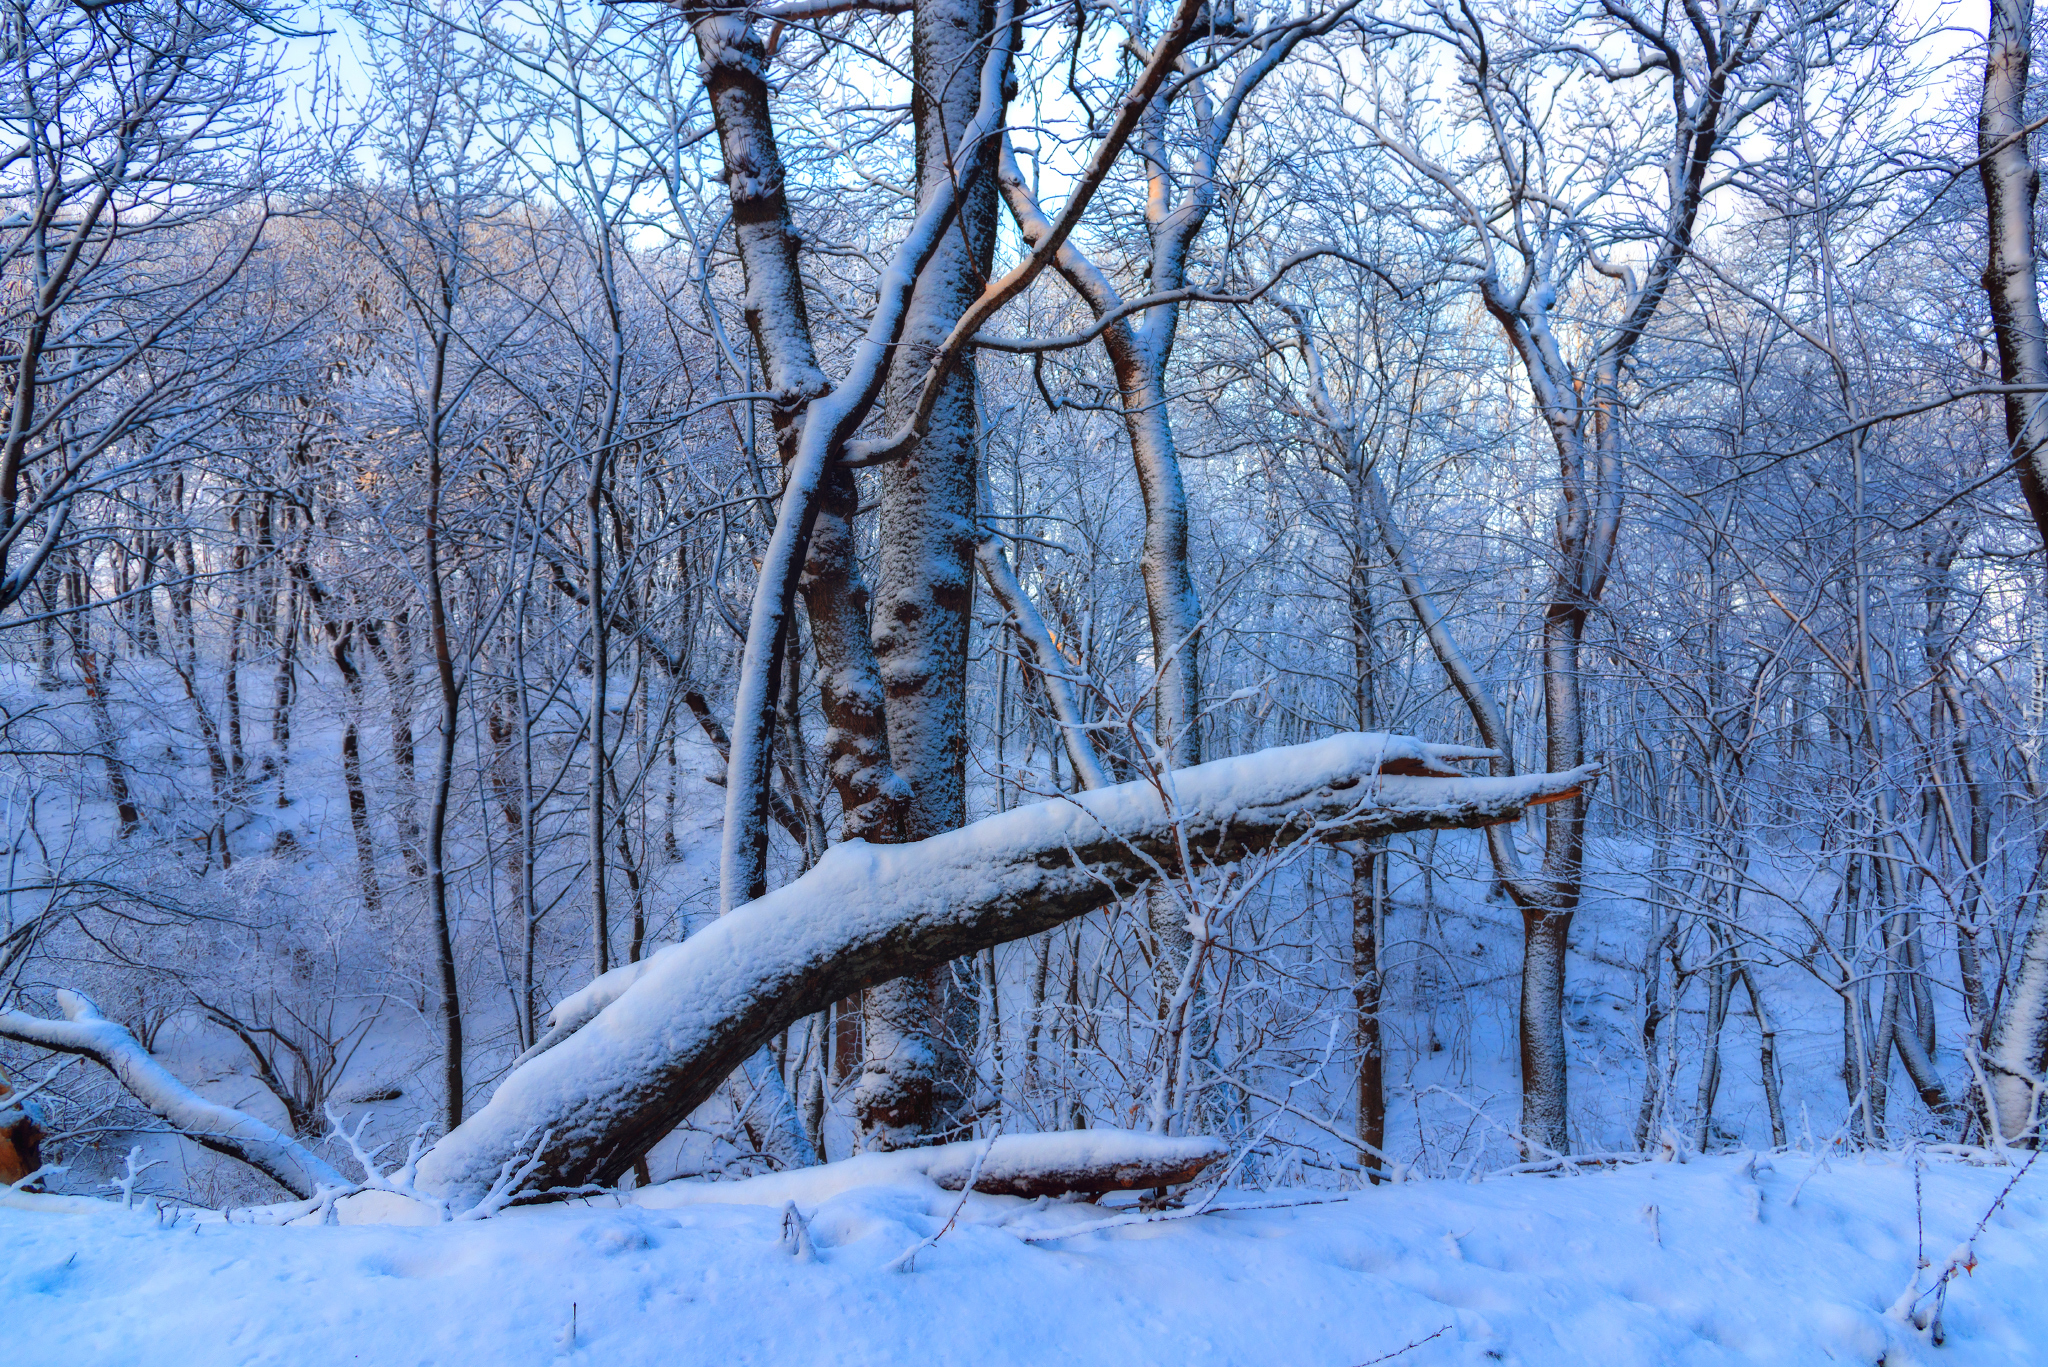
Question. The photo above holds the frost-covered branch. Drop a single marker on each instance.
(869, 913)
(512, 1177)
(223, 1129)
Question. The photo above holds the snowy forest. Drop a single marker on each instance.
(1198, 604)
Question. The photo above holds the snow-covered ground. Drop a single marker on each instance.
(1778, 1259)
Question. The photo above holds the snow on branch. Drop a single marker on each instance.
(223, 1129)
(868, 913)
(400, 1181)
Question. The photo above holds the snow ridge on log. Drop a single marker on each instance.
(1078, 1160)
(868, 913)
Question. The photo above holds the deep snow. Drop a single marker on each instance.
(1779, 1259)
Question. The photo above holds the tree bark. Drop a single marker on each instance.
(915, 1079)
(2011, 271)
(2018, 1056)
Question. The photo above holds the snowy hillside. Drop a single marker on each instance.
(961, 681)
(1781, 1259)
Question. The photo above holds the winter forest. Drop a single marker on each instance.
(899, 634)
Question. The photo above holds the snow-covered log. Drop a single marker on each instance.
(223, 1129)
(1091, 1161)
(868, 913)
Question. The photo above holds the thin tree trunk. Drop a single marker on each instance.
(443, 922)
(352, 771)
(92, 676)
(1367, 986)
(1719, 990)
(1767, 1054)
(394, 658)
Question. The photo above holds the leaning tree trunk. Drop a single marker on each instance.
(602, 1097)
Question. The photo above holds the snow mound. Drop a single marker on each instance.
(1786, 1260)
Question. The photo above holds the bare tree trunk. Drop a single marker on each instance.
(92, 676)
(506, 788)
(352, 768)
(2011, 272)
(441, 917)
(1657, 945)
(2018, 1057)
(231, 674)
(1368, 909)
(600, 704)
(1767, 1054)
(1719, 990)
(917, 1078)
(1368, 983)
(394, 659)
(285, 688)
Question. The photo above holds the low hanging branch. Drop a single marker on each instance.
(868, 913)
(223, 1129)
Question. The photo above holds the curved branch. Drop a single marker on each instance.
(223, 1129)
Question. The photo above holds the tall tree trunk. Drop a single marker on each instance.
(91, 673)
(1368, 910)
(285, 687)
(600, 705)
(1719, 990)
(2018, 1057)
(1767, 1054)
(505, 786)
(917, 1078)
(440, 914)
(352, 768)
(2011, 271)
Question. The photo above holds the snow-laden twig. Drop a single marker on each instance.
(22, 1095)
(509, 1184)
(1911, 1308)
(126, 1183)
(1407, 1347)
(796, 1234)
(905, 1261)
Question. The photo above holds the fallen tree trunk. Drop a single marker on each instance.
(1087, 1161)
(602, 1097)
(223, 1129)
